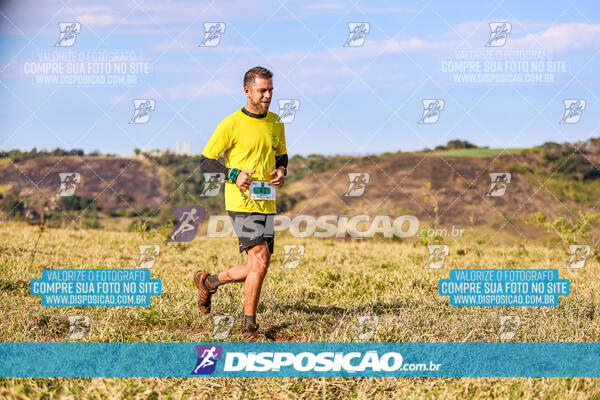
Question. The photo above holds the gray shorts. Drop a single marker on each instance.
(253, 228)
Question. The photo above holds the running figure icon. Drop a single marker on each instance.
(186, 223)
(207, 359)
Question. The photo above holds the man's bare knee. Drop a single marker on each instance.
(259, 257)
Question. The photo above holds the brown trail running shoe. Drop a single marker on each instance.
(251, 334)
(204, 294)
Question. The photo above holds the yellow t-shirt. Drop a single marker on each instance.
(248, 143)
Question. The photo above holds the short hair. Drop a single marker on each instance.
(254, 72)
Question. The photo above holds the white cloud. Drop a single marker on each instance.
(389, 10)
(325, 71)
(97, 21)
(571, 36)
(318, 89)
(562, 37)
(184, 45)
(307, 10)
(216, 87)
(322, 7)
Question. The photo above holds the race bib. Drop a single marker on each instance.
(262, 190)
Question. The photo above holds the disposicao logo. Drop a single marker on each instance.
(207, 359)
(306, 361)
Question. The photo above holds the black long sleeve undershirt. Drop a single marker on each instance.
(282, 161)
(212, 165)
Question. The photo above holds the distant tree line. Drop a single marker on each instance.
(18, 155)
(457, 144)
(577, 161)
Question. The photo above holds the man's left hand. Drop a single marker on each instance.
(278, 179)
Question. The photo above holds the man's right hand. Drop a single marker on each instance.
(244, 179)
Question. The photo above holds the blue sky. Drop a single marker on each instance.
(353, 100)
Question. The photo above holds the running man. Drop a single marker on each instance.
(253, 140)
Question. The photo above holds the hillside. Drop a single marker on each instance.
(553, 179)
(108, 185)
(136, 181)
(397, 186)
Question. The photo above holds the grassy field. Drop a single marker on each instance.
(335, 283)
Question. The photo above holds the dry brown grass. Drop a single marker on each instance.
(336, 282)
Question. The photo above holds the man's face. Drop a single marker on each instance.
(259, 94)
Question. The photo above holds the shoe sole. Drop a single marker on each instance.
(198, 278)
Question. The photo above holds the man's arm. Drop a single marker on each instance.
(212, 165)
(280, 170)
(282, 161)
(219, 142)
(281, 157)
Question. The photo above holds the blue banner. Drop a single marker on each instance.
(300, 359)
(95, 287)
(504, 287)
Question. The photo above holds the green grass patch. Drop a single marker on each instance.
(585, 193)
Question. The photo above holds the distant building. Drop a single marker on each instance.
(157, 153)
(186, 150)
